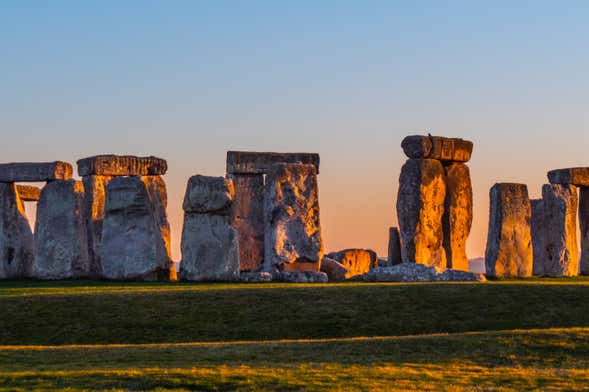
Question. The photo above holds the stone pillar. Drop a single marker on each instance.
(17, 248)
(584, 225)
(94, 203)
(292, 235)
(457, 219)
(210, 247)
(420, 207)
(394, 256)
(560, 212)
(538, 228)
(60, 232)
(248, 219)
(134, 244)
(509, 242)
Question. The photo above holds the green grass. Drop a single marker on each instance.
(502, 335)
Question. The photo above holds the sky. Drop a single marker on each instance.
(189, 80)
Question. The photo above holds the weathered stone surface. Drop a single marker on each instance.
(292, 234)
(584, 225)
(248, 219)
(457, 219)
(134, 244)
(420, 207)
(301, 277)
(357, 261)
(61, 247)
(35, 171)
(213, 195)
(94, 204)
(509, 239)
(578, 176)
(17, 248)
(28, 192)
(210, 248)
(255, 277)
(394, 256)
(411, 272)
(336, 272)
(437, 147)
(122, 165)
(560, 213)
(247, 162)
(538, 229)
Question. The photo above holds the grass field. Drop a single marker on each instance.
(501, 335)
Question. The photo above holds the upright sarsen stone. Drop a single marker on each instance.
(17, 248)
(560, 213)
(457, 219)
(94, 205)
(61, 249)
(394, 256)
(538, 228)
(509, 242)
(248, 219)
(420, 207)
(210, 248)
(134, 244)
(584, 225)
(293, 238)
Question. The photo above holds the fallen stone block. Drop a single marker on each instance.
(420, 207)
(457, 218)
(509, 239)
(17, 247)
(452, 275)
(336, 272)
(255, 277)
(210, 248)
(248, 219)
(405, 272)
(357, 261)
(134, 244)
(560, 214)
(538, 229)
(61, 247)
(394, 255)
(437, 147)
(35, 172)
(292, 234)
(122, 165)
(301, 277)
(212, 195)
(28, 192)
(246, 162)
(578, 176)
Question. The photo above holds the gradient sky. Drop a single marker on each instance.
(189, 80)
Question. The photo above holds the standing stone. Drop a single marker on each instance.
(134, 243)
(560, 212)
(210, 246)
(584, 225)
(292, 235)
(17, 248)
(357, 261)
(420, 207)
(61, 246)
(538, 228)
(394, 247)
(94, 203)
(248, 219)
(509, 239)
(457, 219)
(35, 171)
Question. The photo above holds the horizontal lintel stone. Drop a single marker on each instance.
(35, 171)
(437, 147)
(122, 165)
(578, 176)
(28, 192)
(247, 162)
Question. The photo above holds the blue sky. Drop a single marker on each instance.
(189, 80)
